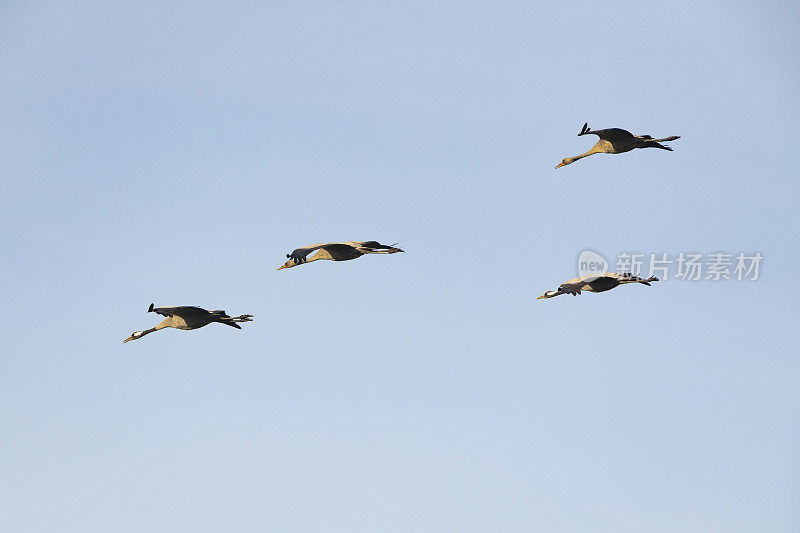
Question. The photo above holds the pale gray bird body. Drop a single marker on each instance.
(596, 283)
(189, 317)
(337, 251)
(617, 141)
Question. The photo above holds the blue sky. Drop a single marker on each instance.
(174, 154)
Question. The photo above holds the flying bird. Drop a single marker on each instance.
(617, 141)
(337, 251)
(188, 317)
(596, 283)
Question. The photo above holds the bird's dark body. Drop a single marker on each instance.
(341, 251)
(600, 283)
(188, 317)
(337, 252)
(603, 284)
(193, 317)
(612, 134)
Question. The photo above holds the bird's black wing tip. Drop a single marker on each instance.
(150, 309)
(299, 255)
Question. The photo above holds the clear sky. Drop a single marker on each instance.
(174, 152)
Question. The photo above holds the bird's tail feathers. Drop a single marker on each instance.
(627, 277)
(655, 144)
(375, 245)
(377, 248)
(633, 278)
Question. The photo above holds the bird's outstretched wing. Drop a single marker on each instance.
(184, 311)
(612, 135)
(372, 246)
(573, 286)
(570, 289)
(628, 277)
(623, 276)
(301, 254)
(585, 283)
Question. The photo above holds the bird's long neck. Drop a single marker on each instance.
(595, 149)
(151, 330)
(169, 322)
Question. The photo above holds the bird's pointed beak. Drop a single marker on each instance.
(560, 164)
(542, 296)
(282, 267)
(128, 339)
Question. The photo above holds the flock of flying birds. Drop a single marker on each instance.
(612, 141)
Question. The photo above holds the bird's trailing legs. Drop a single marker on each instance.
(392, 251)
